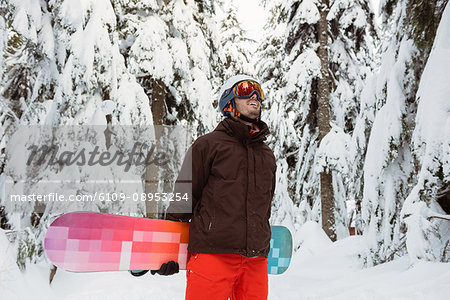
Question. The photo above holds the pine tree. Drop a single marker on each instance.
(353, 40)
(323, 121)
(271, 70)
(105, 63)
(384, 133)
(235, 46)
(56, 75)
(173, 49)
(296, 97)
(6, 120)
(425, 210)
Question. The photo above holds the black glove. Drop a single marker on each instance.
(169, 268)
(138, 273)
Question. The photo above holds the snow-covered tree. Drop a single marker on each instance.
(428, 223)
(385, 125)
(328, 207)
(174, 49)
(235, 45)
(62, 66)
(176, 45)
(291, 79)
(109, 64)
(271, 71)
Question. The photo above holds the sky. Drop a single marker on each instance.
(253, 16)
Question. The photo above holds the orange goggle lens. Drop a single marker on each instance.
(246, 89)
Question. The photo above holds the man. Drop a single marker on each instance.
(233, 181)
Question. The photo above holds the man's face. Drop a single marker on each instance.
(248, 107)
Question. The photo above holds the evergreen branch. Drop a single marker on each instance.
(444, 252)
(442, 217)
(401, 246)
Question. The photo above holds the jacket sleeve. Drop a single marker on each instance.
(272, 192)
(190, 181)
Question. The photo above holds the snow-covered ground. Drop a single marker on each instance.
(319, 270)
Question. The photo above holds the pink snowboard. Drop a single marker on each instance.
(89, 242)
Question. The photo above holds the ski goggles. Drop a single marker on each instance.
(246, 89)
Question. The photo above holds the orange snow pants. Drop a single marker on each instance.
(226, 276)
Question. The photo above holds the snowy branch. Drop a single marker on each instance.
(442, 217)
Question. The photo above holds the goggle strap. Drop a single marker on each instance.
(231, 109)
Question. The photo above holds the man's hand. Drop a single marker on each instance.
(166, 269)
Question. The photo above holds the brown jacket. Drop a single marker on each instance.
(233, 181)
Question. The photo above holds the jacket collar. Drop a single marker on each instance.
(242, 131)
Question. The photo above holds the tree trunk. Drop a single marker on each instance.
(323, 119)
(52, 274)
(152, 171)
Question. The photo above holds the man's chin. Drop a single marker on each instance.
(252, 116)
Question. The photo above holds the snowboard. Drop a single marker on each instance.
(92, 242)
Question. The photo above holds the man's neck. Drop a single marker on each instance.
(245, 122)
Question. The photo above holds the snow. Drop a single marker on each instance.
(17, 285)
(333, 151)
(308, 12)
(151, 52)
(305, 65)
(431, 146)
(108, 107)
(319, 270)
(48, 42)
(21, 21)
(74, 12)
